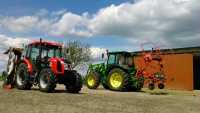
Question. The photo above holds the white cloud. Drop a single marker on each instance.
(20, 24)
(145, 18)
(6, 41)
(3, 58)
(71, 24)
(166, 21)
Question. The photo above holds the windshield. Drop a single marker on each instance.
(51, 51)
(125, 60)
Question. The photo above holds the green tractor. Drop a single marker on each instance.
(118, 73)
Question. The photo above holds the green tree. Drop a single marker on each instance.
(77, 52)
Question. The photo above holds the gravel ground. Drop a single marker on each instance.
(99, 101)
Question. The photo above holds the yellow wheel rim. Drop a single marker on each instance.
(91, 80)
(116, 80)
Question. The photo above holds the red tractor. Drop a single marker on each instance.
(41, 63)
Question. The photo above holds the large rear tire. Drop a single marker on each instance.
(118, 80)
(22, 78)
(47, 80)
(92, 80)
(74, 82)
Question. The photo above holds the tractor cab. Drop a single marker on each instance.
(39, 53)
(122, 58)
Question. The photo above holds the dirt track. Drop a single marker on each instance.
(98, 101)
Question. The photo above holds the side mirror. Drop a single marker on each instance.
(102, 56)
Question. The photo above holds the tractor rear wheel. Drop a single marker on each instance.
(47, 80)
(22, 78)
(93, 80)
(118, 80)
(74, 82)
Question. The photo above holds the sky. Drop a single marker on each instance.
(104, 24)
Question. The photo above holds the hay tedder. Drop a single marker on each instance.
(40, 63)
(119, 72)
(151, 67)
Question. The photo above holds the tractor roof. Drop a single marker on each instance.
(121, 52)
(48, 43)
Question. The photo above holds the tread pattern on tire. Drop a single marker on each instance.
(26, 84)
(125, 84)
(51, 83)
(74, 83)
(97, 79)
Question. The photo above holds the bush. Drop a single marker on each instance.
(77, 52)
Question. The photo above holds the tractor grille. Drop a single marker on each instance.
(59, 66)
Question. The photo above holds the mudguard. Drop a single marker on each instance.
(29, 65)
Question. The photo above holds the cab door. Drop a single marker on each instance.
(34, 57)
(111, 59)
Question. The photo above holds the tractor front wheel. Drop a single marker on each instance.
(47, 80)
(118, 80)
(93, 80)
(22, 77)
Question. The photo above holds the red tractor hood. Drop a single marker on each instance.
(57, 65)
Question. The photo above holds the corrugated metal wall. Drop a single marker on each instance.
(178, 69)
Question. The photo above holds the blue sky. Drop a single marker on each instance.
(26, 7)
(104, 24)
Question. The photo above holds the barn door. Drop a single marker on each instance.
(196, 72)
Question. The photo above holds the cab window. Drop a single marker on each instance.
(121, 59)
(111, 59)
(34, 53)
